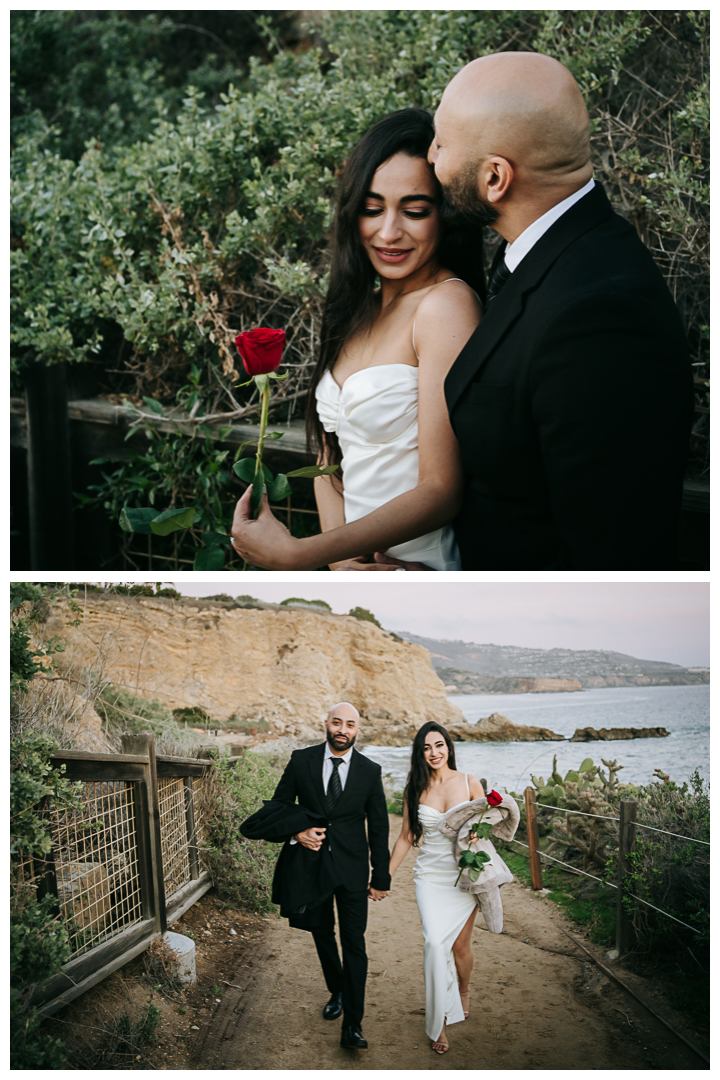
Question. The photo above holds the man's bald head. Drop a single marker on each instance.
(512, 139)
(345, 710)
(342, 727)
(524, 107)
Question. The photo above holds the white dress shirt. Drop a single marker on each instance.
(516, 252)
(342, 770)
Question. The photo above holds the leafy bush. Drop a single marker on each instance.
(39, 942)
(193, 716)
(241, 869)
(363, 613)
(309, 603)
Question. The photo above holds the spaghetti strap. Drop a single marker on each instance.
(415, 320)
(467, 785)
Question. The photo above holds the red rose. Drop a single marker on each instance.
(493, 798)
(261, 350)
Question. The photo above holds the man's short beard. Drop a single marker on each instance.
(340, 746)
(462, 205)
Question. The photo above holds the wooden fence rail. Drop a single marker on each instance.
(125, 866)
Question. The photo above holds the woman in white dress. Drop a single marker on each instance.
(447, 914)
(376, 401)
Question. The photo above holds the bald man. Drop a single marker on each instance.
(572, 401)
(338, 782)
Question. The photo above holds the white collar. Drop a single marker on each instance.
(344, 757)
(516, 252)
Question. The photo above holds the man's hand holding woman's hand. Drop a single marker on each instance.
(311, 838)
(377, 894)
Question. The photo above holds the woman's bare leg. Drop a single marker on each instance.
(464, 960)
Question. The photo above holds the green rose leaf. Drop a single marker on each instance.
(153, 405)
(279, 488)
(136, 519)
(245, 469)
(210, 557)
(314, 470)
(173, 521)
(275, 435)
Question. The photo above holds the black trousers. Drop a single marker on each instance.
(350, 976)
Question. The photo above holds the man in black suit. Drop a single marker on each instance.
(337, 782)
(572, 401)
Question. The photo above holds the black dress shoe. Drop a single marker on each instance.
(333, 1009)
(353, 1038)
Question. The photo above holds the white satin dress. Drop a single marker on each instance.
(375, 417)
(444, 910)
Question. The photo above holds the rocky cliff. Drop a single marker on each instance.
(286, 666)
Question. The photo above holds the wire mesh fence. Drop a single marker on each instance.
(124, 862)
(174, 833)
(95, 863)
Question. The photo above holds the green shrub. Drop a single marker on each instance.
(193, 716)
(39, 942)
(363, 613)
(308, 603)
(241, 869)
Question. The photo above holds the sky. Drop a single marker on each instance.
(652, 621)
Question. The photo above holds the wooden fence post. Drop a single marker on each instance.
(624, 930)
(533, 838)
(143, 742)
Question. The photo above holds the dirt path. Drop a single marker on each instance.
(536, 1003)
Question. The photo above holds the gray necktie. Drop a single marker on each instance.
(334, 790)
(501, 273)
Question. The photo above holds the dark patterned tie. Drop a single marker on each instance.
(499, 274)
(334, 790)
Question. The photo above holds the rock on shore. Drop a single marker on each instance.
(497, 728)
(591, 734)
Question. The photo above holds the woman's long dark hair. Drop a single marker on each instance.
(418, 780)
(350, 300)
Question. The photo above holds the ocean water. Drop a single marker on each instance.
(683, 710)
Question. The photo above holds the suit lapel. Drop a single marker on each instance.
(316, 770)
(509, 304)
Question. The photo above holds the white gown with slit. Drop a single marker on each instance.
(444, 910)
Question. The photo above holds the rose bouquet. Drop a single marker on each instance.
(474, 861)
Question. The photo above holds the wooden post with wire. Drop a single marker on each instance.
(533, 838)
(624, 933)
(143, 742)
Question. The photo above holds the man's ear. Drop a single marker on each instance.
(496, 176)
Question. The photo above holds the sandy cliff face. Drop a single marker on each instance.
(287, 666)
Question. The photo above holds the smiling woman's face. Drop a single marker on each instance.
(400, 221)
(435, 750)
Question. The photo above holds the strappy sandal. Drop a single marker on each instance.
(440, 1047)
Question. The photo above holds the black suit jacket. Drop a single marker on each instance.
(362, 800)
(572, 405)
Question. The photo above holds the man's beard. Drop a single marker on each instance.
(462, 206)
(340, 745)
